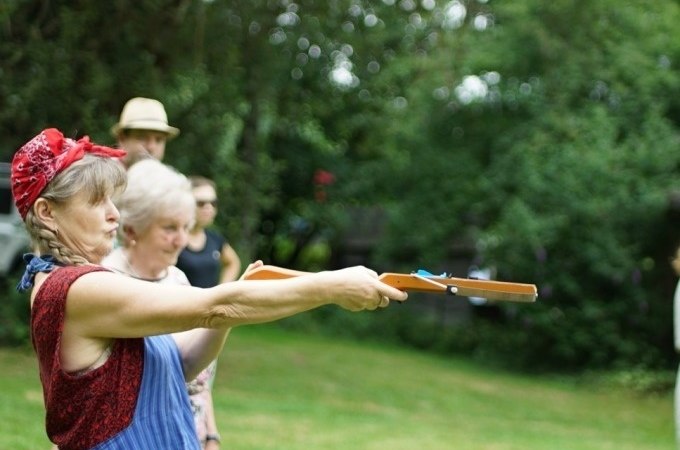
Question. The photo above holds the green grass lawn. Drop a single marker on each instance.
(280, 390)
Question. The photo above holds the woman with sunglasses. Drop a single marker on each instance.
(208, 259)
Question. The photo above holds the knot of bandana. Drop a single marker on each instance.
(35, 264)
(38, 161)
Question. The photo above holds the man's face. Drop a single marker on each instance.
(142, 143)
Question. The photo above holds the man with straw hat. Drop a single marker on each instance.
(143, 129)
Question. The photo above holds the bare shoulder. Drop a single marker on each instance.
(103, 288)
(107, 304)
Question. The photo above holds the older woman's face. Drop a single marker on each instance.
(165, 238)
(89, 230)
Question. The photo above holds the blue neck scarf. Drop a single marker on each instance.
(35, 264)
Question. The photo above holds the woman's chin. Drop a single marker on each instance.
(98, 256)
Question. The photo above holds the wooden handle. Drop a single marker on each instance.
(466, 287)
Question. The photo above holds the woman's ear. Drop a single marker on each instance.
(44, 211)
(130, 235)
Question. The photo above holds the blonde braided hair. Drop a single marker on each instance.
(46, 241)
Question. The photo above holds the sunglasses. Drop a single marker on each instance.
(202, 203)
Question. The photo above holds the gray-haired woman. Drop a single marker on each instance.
(156, 214)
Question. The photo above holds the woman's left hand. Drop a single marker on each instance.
(252, 266)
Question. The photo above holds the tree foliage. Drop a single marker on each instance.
(574, 152)
(542, 134)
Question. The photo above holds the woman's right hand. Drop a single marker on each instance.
(358, 288)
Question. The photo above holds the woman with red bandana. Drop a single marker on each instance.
(111, 369)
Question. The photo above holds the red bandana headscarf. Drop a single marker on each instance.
(42, 158)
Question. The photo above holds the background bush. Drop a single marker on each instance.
(542, 136)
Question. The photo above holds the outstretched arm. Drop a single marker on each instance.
(103, 305)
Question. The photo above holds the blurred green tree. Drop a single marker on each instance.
(543, 135)
(554, 153)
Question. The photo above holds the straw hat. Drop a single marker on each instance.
(141, 113)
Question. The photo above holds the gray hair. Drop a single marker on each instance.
(101, 177)
(154, 190)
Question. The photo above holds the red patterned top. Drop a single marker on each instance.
(84, 409)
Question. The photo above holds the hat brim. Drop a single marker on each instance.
(150, 125)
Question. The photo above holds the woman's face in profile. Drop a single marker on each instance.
(87, 229)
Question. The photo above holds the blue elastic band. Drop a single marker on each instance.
(35, 264)
(426, 274)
